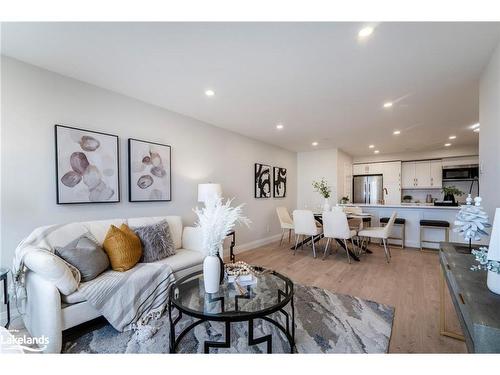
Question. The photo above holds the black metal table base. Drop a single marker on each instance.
(6, 299)
(288, 330)
(317, 238)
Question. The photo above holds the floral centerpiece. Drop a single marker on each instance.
(325, 190)
(216, 220)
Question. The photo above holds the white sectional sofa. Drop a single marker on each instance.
(48, 311)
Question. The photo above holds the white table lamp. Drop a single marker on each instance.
(207, 191)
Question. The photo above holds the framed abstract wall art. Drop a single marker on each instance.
(149, 167)
(87, 167)
(262, 181)
(279, 182)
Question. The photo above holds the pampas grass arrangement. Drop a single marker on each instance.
(216, 220)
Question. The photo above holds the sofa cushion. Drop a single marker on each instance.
(85, 254)
(174, 223)
(181, 260)
(123, 247)
(156, 241)
(99, 228)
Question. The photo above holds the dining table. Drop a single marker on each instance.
(318, 216)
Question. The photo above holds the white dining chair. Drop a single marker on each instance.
(381, 233)
(336, 226)
(286, 222)
(305, 226)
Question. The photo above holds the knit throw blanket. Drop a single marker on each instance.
(128, 300)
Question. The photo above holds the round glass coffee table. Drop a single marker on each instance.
(271, 294)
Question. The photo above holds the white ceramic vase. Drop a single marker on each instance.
(211, 273)
(493, 282)
(326, 205)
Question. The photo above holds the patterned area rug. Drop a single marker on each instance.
(326, 322)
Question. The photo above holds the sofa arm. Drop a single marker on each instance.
(192, 239)
(43, 311)
(53, 269)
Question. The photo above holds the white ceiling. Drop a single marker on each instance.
(315, 78)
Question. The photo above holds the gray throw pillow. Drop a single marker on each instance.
(85, 254)
(156, 240)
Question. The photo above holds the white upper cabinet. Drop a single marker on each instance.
(358, 169)
(426, 174)
(436, 173)
(408, 175)
(423, 174)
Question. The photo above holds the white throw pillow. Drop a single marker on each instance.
(54, 269)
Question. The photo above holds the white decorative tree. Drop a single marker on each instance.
(489, 258)
(472, 221)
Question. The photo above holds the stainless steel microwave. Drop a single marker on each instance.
(461, 173)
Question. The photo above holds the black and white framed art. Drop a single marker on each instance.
(262, 181)
(149, 171)
(87, 167)
(279, 182)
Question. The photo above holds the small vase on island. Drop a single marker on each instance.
(326, 205)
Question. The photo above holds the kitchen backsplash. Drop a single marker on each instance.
(421, 194)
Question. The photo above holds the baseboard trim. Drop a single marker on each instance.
(257, 243)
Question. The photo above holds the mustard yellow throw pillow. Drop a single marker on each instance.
(123, 248)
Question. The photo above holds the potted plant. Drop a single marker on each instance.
(216, 220)
(344, 200)
(450, 192)
(325, 190)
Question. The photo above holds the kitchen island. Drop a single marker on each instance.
(413, 213)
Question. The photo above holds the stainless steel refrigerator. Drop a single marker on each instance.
(367, 189)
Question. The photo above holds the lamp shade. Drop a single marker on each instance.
(207, 191)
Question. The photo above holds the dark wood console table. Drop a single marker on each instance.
(477, 308)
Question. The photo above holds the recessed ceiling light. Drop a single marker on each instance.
(279, 126)
(314, 143)
(371, 146)
(365, 32)
(396, 132)
(452, 137)
(476, 130)
(475, 126)
(387, 104)
(209, 92)
(447, 144)
(376, 151)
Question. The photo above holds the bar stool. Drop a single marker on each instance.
(400, 222)
(367, 222)
(434, 224)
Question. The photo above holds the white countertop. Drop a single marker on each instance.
(406, 205)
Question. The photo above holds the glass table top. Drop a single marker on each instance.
(271, 292)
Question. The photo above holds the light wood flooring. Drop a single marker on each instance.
(410, 283)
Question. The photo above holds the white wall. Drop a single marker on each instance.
(344, 175)
(436, 154)
(489, 137)
(33, 100)
(312, 166)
